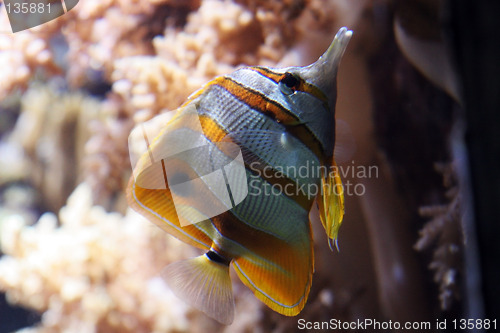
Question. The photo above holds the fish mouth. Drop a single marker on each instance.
(323, 73)
(330, 60)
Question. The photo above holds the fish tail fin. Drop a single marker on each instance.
(204, 284)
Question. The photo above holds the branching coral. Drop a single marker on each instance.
(106, 162)
(96, 272)
(217, 36)
(24, 54)
(52, 129)
(19, 59)
(154, 54)
(102, 31)
(444, 231)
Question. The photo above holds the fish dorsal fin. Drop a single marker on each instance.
(331, 203)
(170, 156)
(203, 284)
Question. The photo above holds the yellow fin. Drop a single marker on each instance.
(158, 207)
(160, 149)
(279, 274)
(203, 284)
(331, 204)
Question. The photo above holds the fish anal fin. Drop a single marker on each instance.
(280, 278)
(203, 284)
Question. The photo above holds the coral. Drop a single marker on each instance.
(89, 270)
(216, 37)
(20, 57)
(95, 266)
(25, 54)
(98, 272)
(102, 31)
(154, 54)
(106, 163)
(95, 34)
(52, 129)
(443, 233)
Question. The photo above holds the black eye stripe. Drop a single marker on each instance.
(290, 80)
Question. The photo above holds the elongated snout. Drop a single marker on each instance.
(323, 73)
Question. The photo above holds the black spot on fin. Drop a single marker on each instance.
(214, 256)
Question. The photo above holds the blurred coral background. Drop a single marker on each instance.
(74, 258)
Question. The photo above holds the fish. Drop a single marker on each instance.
(235, 172)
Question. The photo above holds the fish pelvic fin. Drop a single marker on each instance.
(331, 204)
(204, 284)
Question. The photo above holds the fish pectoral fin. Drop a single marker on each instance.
(331, 204)
(203, 284)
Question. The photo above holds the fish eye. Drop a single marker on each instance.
(288, 82)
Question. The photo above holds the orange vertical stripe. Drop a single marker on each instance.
(274, 110)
